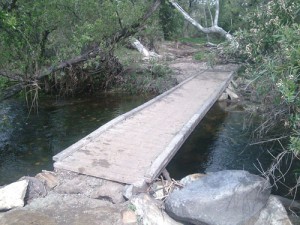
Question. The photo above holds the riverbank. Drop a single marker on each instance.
(62, 197)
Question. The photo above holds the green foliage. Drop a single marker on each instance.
(156, 79)
(128, 57)
(38, 34)
(160, 70)
(171, 21)
(200, 56)
(270, 48)
(209, 57)
(131, 207)
(232, 13)
(3, 82)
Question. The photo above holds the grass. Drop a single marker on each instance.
(149, 81)
(128, 57)
(210, 58)
(144, 76)
(201, 56)
(4, 82)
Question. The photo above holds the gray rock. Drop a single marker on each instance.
(49, 178)
(12, 195)
(150, 211)
(223, 97)
(110, 191)
(134, 189)
(191, 178)
(35, 189)
(129, 217)
(128, 191)
(221, 198)
(273, 214)
(56, 209)
(91, 187)
(289, 204)
(78, 184)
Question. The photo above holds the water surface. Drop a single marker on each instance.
(221, 141)
(27, 143)
(224, 141)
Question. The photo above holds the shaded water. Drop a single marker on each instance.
(219, 142)
(222, 141)
(27, 144)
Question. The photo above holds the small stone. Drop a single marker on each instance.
(158, 190)
(12, 195)
(223, 97)
(128, 191)
(151, 212)
(232, 94)
(35, 189)
(128, 217)
(134, 189)
(49, 178)
(191, 178)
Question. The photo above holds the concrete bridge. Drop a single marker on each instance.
(139, 144)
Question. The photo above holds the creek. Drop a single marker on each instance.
(27, 143)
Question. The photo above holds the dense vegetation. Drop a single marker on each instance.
(270, 51)
(67, 46)
(41, 40)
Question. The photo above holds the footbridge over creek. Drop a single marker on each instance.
(139, 144)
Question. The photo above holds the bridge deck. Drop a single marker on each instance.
(138, 145)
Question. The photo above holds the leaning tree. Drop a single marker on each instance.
(214, 28)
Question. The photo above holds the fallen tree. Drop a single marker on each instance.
(103, 54)
(214, 28)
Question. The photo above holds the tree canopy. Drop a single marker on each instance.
(38, 35)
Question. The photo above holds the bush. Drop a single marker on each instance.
(270, 49)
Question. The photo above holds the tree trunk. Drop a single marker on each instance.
(207, 30)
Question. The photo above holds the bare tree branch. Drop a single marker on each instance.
(216, 20)
(213, 29)
(210, 14)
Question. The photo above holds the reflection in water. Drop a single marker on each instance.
(221, 142)
(27, 144)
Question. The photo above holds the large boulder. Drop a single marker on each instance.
(222, 198)
(12, 195)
